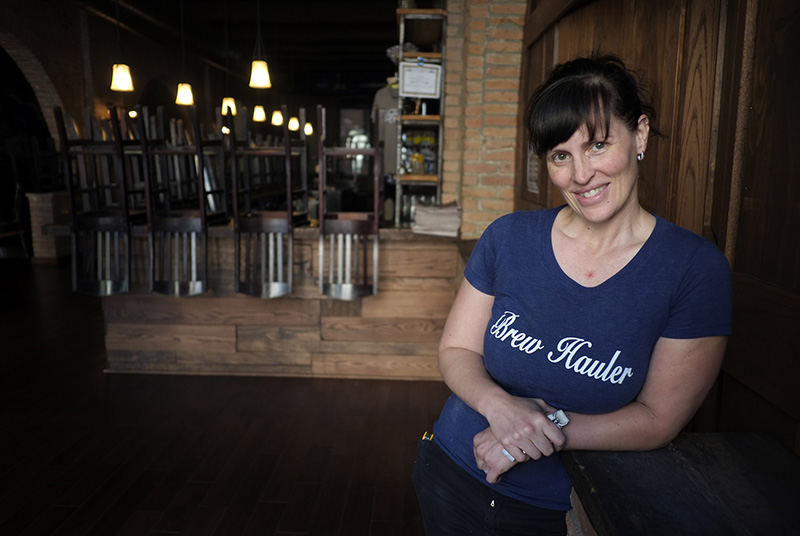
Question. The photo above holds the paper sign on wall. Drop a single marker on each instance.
(420, 80)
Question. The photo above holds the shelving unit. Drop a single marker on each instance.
(420, 134)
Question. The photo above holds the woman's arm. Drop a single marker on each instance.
(519, 424)
(680, 375)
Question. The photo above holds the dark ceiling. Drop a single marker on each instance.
(314, 47)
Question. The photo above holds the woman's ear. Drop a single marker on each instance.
(642, 133)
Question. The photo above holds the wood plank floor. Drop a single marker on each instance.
(86, 453)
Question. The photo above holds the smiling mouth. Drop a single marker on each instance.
(592, 193)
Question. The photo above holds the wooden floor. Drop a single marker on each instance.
(86, 453)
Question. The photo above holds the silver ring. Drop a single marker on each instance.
(508, 455)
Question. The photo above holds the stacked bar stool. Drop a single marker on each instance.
(344, 238)
(263, 214)
(186, 192)
(100, 207)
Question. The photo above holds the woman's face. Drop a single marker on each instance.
(597, 177)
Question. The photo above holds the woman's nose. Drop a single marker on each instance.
(582, 170)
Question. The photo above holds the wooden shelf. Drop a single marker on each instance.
(419, 178)
(416, 118)
(423, 55)
(406, 11)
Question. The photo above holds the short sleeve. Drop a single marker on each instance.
(702, 304)
(481, 266)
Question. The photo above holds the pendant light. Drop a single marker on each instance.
(228, 106)
(259, 71)
(308, 129)
(184, 96)
(294, 124)
(277, 118)
(120, 73)
(259, 115)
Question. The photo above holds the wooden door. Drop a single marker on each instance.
(758, 166)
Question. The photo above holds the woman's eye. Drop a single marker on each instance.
(559, 157)
(598, 145)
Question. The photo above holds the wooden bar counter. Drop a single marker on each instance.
(393, 334)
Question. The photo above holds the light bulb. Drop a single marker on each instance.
(121, 78)
(228, 103)
(259, 75)
(259, 115)
(184, 96)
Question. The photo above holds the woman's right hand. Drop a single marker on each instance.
(520, 424)
(522, 427)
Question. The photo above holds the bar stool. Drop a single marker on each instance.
(263, 214)
(101, 211)
(186, 192)
(344, 237)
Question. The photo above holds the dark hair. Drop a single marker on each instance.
(584, 91)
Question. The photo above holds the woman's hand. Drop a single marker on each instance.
(489, 456)
(522, 427)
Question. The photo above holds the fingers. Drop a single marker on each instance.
(490, 456)
(534, 442)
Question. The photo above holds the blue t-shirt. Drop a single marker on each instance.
(581, 349)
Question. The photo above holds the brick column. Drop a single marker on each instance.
(484, 54)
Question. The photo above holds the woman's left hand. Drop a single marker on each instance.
(489, 456)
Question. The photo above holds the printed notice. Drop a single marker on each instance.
(420, 80)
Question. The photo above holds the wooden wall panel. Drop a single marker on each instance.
(418, 261)
(760, 355)
(691, 169)
(408, 304)
(242, 310)
(393, 334)
(382, 329)
(236, 363)
(648, 36)
(382, 366)
(532, 186)
(187, 338)
(383, 347)
(769, 224)
(418, 283)
(277, 339)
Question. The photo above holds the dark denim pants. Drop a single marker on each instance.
(454, 503)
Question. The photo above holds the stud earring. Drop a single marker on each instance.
(640, 156)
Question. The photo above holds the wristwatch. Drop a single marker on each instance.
(559, 418)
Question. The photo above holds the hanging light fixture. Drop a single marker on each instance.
(120, 73)
(259, 115)
(121, 78)
(277, 118)
(184, 96)
(294, 124)
(308, 129)
(228, 106)
(259, 71)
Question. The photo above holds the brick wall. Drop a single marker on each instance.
(482, 75)
(34, 33)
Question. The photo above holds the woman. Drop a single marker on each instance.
(595, 325)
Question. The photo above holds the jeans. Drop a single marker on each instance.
(454, 503)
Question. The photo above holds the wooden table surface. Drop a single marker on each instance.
(704, 484)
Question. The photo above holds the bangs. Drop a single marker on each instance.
(567, 105)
